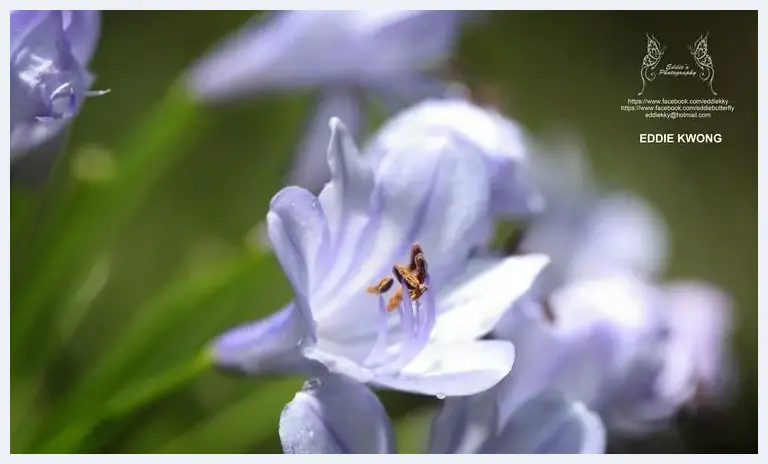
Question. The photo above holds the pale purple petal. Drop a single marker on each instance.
(310, 166)
(337, 415)
(699, 355)
(550, 424)
(464, 424)
(82, 28)
(346, 199)
(587, 235)
(502, 144)
(300, 237)
(578, 366)
(268, 345)
(298, 49)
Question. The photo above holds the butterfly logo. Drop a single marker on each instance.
(703, 61)
(654, 51)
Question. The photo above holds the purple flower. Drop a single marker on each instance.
(502, 144)
(348, 56)
(336, 415)
(50, 51)
(427, 190)
(596, 326)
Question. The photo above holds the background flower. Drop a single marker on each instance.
(50, 52)
(597, 327)
(348, 56)
(336, 415)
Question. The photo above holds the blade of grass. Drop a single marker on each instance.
(150, 327)
(235, 428)
(97, 211)
(129, 399)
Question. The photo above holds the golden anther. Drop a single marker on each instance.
(412, 277)
(396, 299)
(382, 287)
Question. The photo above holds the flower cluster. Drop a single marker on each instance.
(539, 349)
(542, 348)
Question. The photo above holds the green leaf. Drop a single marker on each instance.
(237, 428)
(91, 210)
(150, 329)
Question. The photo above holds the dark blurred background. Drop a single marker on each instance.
(548, 70)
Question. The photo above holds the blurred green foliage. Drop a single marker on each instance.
(133, 266)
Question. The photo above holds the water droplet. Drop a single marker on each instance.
(312, 384)
(441, 396)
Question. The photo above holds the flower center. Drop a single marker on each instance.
(417, 318)
(413, 277)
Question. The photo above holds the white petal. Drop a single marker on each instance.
(486, 289)
(455, 369)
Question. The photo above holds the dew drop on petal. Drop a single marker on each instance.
(441, 396)
(312, 384)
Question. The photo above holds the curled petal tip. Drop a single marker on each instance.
(96, 93)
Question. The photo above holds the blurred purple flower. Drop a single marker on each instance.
(596, 327)
(336, 415)
(332, 247)
(346, 55)
(50, 51)
(502, 144)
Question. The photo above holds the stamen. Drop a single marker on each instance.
(380, 345)
(406, 277)
(415, 253)
(408, 342)
(412, 277)
(416, 320)
(396, 300)
(415, 333)
(382, 287)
